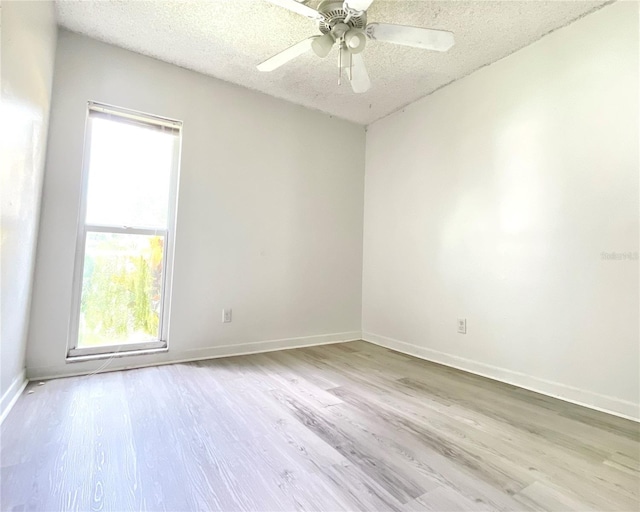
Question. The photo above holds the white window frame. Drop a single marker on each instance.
(161, 344)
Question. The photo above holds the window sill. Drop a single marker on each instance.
(78, 356)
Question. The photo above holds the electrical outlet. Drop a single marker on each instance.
(462, 325)
(226, 316)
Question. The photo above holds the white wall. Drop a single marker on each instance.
(28, 50)
(269, 215)
(494, 198)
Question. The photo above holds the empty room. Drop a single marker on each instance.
(320, 255)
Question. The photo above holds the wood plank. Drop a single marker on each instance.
(338, 427)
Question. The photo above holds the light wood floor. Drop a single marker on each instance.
(341, 427)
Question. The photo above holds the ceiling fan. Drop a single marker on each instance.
(345, 23)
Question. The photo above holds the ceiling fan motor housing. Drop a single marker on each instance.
(334, 13)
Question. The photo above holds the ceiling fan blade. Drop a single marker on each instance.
(285, 56)
(358, 5)
(360, 81)
(426, 38)
(298, 8)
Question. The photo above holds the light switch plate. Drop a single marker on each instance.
(226, 316)
(462, 325)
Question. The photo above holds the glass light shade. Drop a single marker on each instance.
(322, 45)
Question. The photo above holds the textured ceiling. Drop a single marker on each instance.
(227, 38)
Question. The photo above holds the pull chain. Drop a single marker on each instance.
(350, 67)
(340, 62)
(342, 47)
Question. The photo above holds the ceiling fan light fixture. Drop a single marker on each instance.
(355, 40)
(322, 45)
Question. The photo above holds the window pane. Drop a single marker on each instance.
(129, 174)
(121, 289)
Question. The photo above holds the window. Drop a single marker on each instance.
(125, 233)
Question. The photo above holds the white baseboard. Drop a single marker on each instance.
(170, 357)
(564, 392)
(12, 394)
(589, 399)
